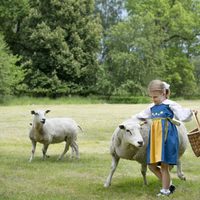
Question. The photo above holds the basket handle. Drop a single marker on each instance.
(197, 120)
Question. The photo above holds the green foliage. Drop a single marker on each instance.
(181, 76)
(111, 12)
(60, 39)
(10, 75)
(60, 42)
(196, 62)
(12, 13)
(134, 56)
(157, 41)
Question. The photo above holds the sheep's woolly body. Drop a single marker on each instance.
(53, 130)
(120, 148)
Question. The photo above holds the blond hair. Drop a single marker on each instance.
(156, 86)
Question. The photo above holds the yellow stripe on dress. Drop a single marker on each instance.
(156, 141)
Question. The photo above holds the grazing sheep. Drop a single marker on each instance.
(53, 130)
(129, 141)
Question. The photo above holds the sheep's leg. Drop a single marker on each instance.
(44, 151)
(75, 148)
(180, 173)
(65, 150)
(115, 161)
(33, 150)
(144, 171)
(72, 151)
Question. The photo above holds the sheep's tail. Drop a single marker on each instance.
(80, 128)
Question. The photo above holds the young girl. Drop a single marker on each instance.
(163, 146)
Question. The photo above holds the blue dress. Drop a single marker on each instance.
(163, 145)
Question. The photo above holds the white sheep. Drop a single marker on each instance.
(53, 130)
(129, 141)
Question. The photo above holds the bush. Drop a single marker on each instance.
(10, 74)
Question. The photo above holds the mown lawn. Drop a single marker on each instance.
(82, 179)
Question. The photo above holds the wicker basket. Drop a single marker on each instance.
(194, 138)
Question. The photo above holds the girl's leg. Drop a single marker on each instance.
(165, 176)
(156, 170)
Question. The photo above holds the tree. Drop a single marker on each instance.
(133, 55)
(111, 12)
(196, 62)
(157, 41)
(178, 25)
(10, 75)
(60, 39)
(12, 13)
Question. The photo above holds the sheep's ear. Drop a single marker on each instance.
(121, 126)
(142, 123)
(47, 111)
(32, 112)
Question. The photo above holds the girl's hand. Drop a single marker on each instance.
(195, 112)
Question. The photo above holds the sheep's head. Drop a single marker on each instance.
(39, 115)
(132, 134)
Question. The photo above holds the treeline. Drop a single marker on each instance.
(98, 47)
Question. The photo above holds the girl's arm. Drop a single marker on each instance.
(145, 114)
(180, 113)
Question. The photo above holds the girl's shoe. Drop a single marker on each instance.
(163, 193)
(172, 188)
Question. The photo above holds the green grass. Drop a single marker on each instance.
(82, 179)
(10, 101)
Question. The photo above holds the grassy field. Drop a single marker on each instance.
(82, 179)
